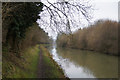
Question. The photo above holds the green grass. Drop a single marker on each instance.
(25, 67)
(32, 60)
(51, 68)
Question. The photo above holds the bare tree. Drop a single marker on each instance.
(62, 15)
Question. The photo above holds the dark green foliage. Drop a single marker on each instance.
(18, 17)
(23, 17)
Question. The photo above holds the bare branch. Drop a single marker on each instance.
(63, 16)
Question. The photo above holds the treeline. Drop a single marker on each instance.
(101, 36)
(19, 27)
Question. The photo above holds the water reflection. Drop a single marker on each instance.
(85, 64)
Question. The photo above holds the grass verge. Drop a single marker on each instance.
(25, 67)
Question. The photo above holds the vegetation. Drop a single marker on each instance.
(101, 36)
(34, 35)
(26, 64)
(26, 67)
(17, 18)
(20, 36)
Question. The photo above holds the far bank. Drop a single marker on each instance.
(101, 37)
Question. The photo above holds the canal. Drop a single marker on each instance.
(85, 64)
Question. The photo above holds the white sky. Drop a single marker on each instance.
(104, 9)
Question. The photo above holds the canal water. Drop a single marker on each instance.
(85, 64)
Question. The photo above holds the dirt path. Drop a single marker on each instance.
(40, 65)
(47, 68)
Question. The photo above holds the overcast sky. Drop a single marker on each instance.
(103, 9)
